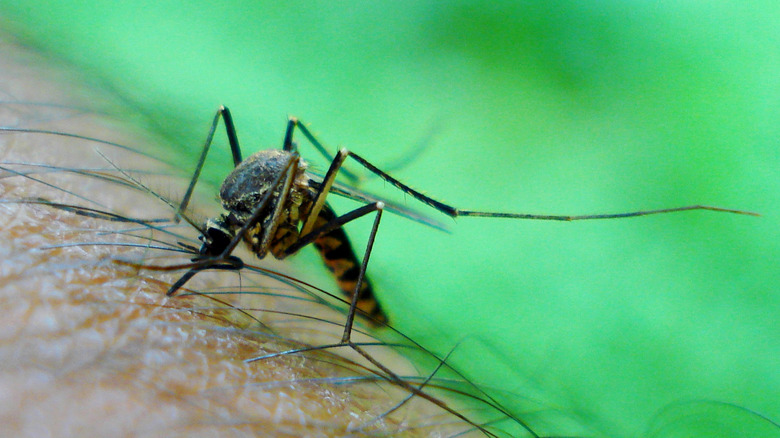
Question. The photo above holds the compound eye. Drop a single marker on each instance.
(215, 241)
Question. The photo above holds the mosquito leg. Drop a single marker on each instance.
(229, 264)
(288, 145)
(230, 130)
(397, 380)
(338, 255)
(332, 225)
(235, 149)
(181, 281)
(294, 122)
(347, 336)
(354, 179)
(455, 212)
(323, 191)
(336, 251)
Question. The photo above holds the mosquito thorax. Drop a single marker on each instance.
(246, 185)
(244, 190)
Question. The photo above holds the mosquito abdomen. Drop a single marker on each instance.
(340, 259)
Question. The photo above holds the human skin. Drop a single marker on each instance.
(90, 344)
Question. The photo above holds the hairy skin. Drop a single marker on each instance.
(92, 347)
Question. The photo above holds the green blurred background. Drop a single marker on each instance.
(539, 107)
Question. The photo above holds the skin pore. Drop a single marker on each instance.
(90, 344)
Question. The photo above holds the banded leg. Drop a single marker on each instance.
(346, 337)
(293, 123)
(340, 258)
(456, 212)
(334, 247)
(235, 149)
(358, 299)
(423, 144)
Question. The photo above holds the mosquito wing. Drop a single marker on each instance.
(394, 207)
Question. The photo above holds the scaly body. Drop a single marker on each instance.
(240, 194)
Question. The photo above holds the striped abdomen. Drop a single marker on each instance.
(339, 257)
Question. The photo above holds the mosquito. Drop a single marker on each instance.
(272, 203)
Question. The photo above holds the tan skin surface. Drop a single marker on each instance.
(92, 347)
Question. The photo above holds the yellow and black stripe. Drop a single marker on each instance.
(340, 259)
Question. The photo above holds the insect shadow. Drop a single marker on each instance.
(272, 203)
